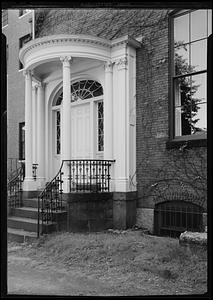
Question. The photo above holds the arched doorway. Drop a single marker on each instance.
(87, 121)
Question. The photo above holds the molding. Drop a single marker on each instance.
(121, 62)
(64, 39)
(108, 66)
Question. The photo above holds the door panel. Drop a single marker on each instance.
(80, 131)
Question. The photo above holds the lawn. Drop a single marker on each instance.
(124, 262)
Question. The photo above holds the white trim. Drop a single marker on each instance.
(27, 13)
(3, 27)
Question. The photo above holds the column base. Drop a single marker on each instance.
(41, 182)
(29, 184)
(124, 209)
(121, 184)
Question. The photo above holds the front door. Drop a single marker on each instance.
(80, 131)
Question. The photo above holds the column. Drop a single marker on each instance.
(108, 112)
(66, 121)
(34, 123)
(66, 117)
(40, 134)
(120, 106)
(28, 181)
(124, 200)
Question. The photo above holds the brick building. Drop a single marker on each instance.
(125, 92)
(18, 27)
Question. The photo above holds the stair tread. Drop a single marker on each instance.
(27, 208)
(27, 220)
(21, 232)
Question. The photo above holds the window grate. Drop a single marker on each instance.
(173, 218)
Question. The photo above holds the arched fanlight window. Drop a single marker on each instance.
(81, 90)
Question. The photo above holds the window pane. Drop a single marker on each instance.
(181, 29)
(209, 21)
(199, 119)
(183, 106)
(190, 105)
(199, 55)
(199, 88)
(182, 60)
(198, 24)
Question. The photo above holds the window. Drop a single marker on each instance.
(189, 72)
(22, 41)
(23, 12)
(58, 132)
(4, 17)
(22, 141)
(100, 126)
(171, 218)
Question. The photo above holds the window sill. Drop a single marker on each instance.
(191, 142)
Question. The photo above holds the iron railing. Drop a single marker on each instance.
(173, 220)
(15, 188)
(13, 165)
(85, 175)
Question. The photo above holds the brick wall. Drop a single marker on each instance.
(162, 174)
(17, 28)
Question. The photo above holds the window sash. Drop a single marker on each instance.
(176, 128)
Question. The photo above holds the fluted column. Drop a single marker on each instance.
(66, 117)
(40, 133)
(121, 125)
(66, 121)
(28, 125)
(34, 122)
(108, 111)
(28, 181)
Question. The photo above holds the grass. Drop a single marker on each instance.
(131, 259)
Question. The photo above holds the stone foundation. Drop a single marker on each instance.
(145, 218)
(124, 209)
(89, 211)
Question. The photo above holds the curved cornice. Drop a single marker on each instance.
(65, 39)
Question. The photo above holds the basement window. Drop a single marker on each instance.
(171, 218)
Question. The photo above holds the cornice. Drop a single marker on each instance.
(64, 39)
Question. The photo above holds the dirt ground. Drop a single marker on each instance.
(105, 264)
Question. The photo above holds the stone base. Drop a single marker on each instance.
(29, 184)
(89, 211)
(124, 209)
(191, 239)
(145, 218)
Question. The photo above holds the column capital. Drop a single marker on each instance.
(66, 60)
(108, 66)
(41, 84)
(27, 72)
(121, 62)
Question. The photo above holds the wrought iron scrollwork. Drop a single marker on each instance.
(15, 188)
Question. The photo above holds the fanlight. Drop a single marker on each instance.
(84, 89)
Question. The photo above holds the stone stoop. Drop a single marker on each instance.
(22, 223)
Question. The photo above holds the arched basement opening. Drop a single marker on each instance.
(171, 218)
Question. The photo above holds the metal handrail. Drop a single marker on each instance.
(85, 175)
(14, 187)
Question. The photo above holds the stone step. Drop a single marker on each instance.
(29, 224)
(32, 213)
(30, 202)
(25, 212)
(34, 203)
(20, 235)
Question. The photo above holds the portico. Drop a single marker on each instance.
(57, 66)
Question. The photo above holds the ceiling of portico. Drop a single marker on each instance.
(78, 64)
